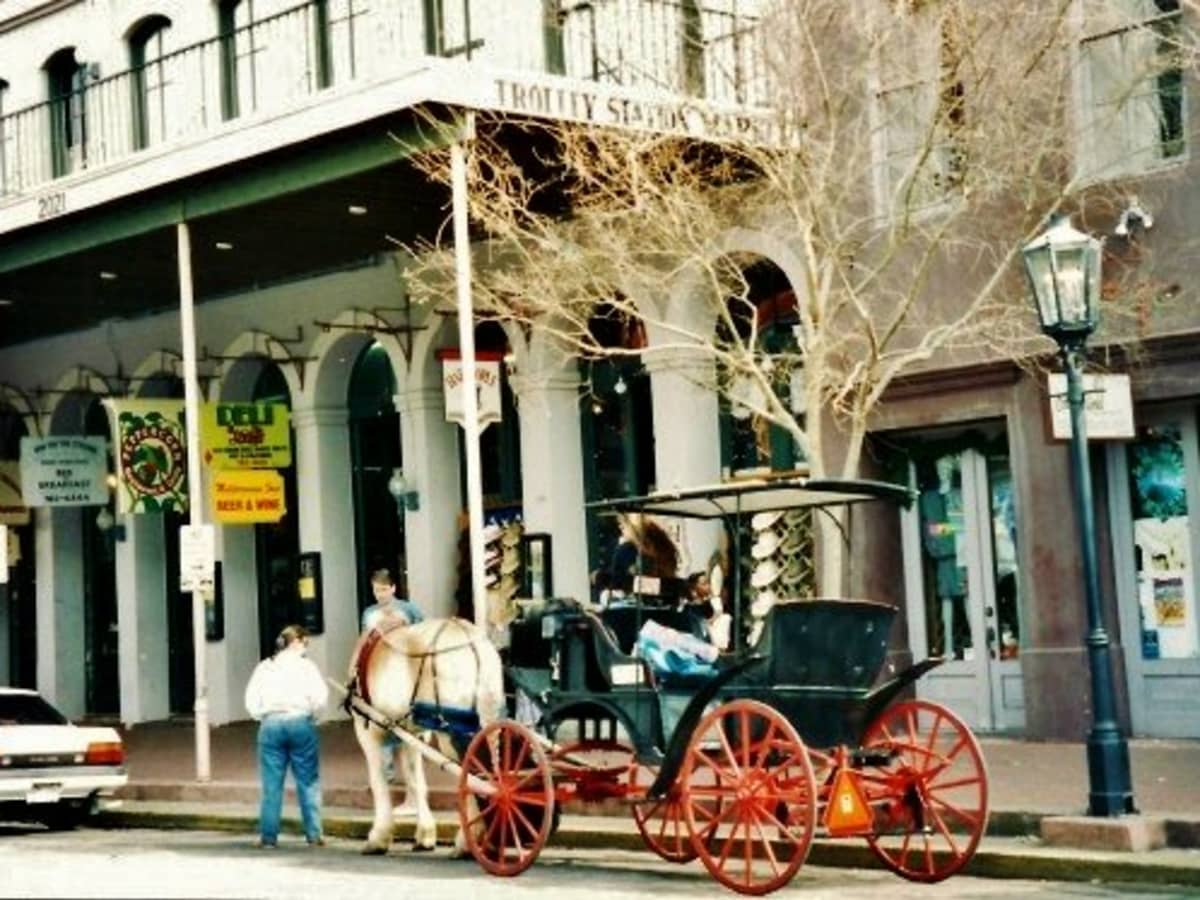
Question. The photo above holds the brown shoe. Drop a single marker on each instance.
(316, 842)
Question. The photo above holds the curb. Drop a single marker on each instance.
(1008, 863)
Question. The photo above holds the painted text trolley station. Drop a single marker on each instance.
(787, 738)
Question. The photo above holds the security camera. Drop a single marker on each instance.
(1134, 212)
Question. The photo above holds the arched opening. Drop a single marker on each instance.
(66, 81)
(617, 423)
(236, 38)
(500, 443)
(148, 48)
(18, 598)
(375, 454)
(181, 673)
(101, 651)
(277, 544)
(764, 311)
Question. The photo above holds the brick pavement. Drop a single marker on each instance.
(1030, 776)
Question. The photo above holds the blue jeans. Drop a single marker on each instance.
(284, 741)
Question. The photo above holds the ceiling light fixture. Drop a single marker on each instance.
(106, 275)
(355, 210)
(4, 301)
(223, 245)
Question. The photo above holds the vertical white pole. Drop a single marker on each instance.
(466, 346)
(191, 402)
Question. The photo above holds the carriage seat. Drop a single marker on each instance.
(625, 622)
(591, 647)
(826, 643)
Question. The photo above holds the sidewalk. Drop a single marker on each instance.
(1028, 783)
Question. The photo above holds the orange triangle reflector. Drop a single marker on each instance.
(847, 812)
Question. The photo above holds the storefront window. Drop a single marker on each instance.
(1162, 544)
(944, 556)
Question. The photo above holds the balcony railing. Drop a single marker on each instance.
(706, 49)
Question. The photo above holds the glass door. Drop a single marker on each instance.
(961, 584)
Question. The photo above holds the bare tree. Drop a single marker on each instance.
(917, 145)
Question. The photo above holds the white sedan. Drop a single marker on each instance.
(50, 770)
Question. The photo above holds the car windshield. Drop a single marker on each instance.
(28, 709)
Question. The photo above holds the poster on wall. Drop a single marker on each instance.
(151, 455)
(66, 470)
(13, 510)
(246, 435)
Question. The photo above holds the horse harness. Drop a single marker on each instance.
(426, 715)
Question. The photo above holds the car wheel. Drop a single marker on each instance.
(66, 815)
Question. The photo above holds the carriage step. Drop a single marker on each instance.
(871, 756)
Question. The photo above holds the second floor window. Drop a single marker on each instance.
(1131, 87)
(147, 50)
(919, 108)
(67, 80)
(238, 89)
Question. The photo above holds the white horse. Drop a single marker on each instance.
(446, 663)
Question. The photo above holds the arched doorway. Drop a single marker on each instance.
(499, 444)
(617, 422)
(181, 673)
(375, 454)
(277, 544)
(18, 596)
(98, 549)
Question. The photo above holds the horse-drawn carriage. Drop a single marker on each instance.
(742, 766)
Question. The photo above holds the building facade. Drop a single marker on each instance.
(279, 134)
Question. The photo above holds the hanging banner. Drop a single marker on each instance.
(13, 510)
(247, 496)
(487, 386)
(151, 455)
(246, 435)
(64, 471)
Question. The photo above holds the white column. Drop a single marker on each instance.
(552, 474)
(325, 494)
(231, 660)
(143, 639)
(687, 436)
(60, 621)
(430, 450)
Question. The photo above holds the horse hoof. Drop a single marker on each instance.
(423, 848)
(373, 850)
(460, 853)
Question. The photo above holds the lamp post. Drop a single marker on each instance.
(1063, 266)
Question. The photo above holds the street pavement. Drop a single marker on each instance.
(1031, 784)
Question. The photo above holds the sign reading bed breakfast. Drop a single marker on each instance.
(64, 471)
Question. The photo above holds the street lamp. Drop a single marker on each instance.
(1063, 266)
(402, 492)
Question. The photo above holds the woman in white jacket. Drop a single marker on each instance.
(285, 694)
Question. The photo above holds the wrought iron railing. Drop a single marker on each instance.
(708, 49)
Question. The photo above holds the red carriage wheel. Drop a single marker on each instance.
(505, 798)
(748, 796)
(661, 820)
(930, 798)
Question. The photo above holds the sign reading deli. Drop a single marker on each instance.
(247, 496)
(151, 455)
(246, 435)
(64, 471)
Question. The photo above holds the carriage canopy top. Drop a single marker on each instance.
(760, 495)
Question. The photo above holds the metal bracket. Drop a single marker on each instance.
(405, 331)
(267, 352)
